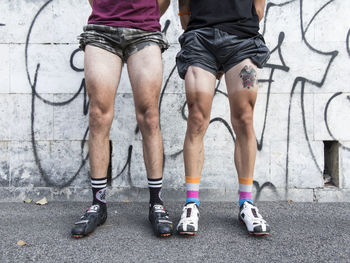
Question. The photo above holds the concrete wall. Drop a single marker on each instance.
(304, 99)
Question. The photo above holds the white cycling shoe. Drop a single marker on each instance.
(254, 222)
(188, 224)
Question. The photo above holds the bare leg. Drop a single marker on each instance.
(145, 72)
(200, 85)
(242, 89)
(102, 75)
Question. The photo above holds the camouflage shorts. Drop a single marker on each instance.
(121, 41)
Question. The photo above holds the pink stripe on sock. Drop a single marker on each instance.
(192, 194)
(245, 195)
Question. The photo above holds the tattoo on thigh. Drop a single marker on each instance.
(248, 76)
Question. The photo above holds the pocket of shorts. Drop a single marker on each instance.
(181, 38)
(187, 37)
(164, 42)
(257, 42)
(181, 56)
(263, 52)
(81, 39)
(184, 38)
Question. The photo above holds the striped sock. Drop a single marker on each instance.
(245, 190)
(192, 189)
(99, 187)
(155, 191)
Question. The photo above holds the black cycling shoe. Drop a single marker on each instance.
(160, 221)
(95, 216)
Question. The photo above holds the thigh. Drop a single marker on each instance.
(102, 74)
(242, 86)
(145, 73)
(197, 50)
(200, 87)
(233, 50)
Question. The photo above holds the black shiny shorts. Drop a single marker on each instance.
(217, 51)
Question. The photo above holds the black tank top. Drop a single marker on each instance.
(236, 17)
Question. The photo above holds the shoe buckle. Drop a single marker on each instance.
(158, 207)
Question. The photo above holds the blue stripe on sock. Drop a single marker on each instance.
(192, 200)
(241, 201)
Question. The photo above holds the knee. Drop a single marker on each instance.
(242, 119)
(148, 120)
(197, 123)
(100, 117)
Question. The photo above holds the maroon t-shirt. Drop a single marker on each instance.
(141, 14)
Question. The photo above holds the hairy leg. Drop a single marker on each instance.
(200, 85)
(145, 72)
(102, 75)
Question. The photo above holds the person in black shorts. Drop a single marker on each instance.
(221, 37)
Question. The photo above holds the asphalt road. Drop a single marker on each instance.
(301, 232)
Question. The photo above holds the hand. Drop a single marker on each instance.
(163, 6)
(184, 19)
(260, 12)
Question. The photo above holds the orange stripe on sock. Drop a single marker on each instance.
(193, 179)
(246, 181)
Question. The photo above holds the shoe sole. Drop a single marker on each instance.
(254, 233)
(165, 235)
(259, 234)
(161, 234)
(88, 234)
(188, 233)
(81, 236)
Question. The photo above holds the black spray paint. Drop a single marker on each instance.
(282, 66)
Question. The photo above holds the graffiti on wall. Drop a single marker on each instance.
(297, 92)
(348, 42)
(33, 84)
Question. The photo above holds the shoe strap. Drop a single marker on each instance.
(165, 221)
(81, 222)
(159, 209)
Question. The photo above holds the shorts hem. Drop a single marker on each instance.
(230, 66)
(121, 41)
(146, 44)
(104, 48)
(183, 72)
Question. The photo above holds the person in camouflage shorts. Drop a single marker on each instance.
(121, 32)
